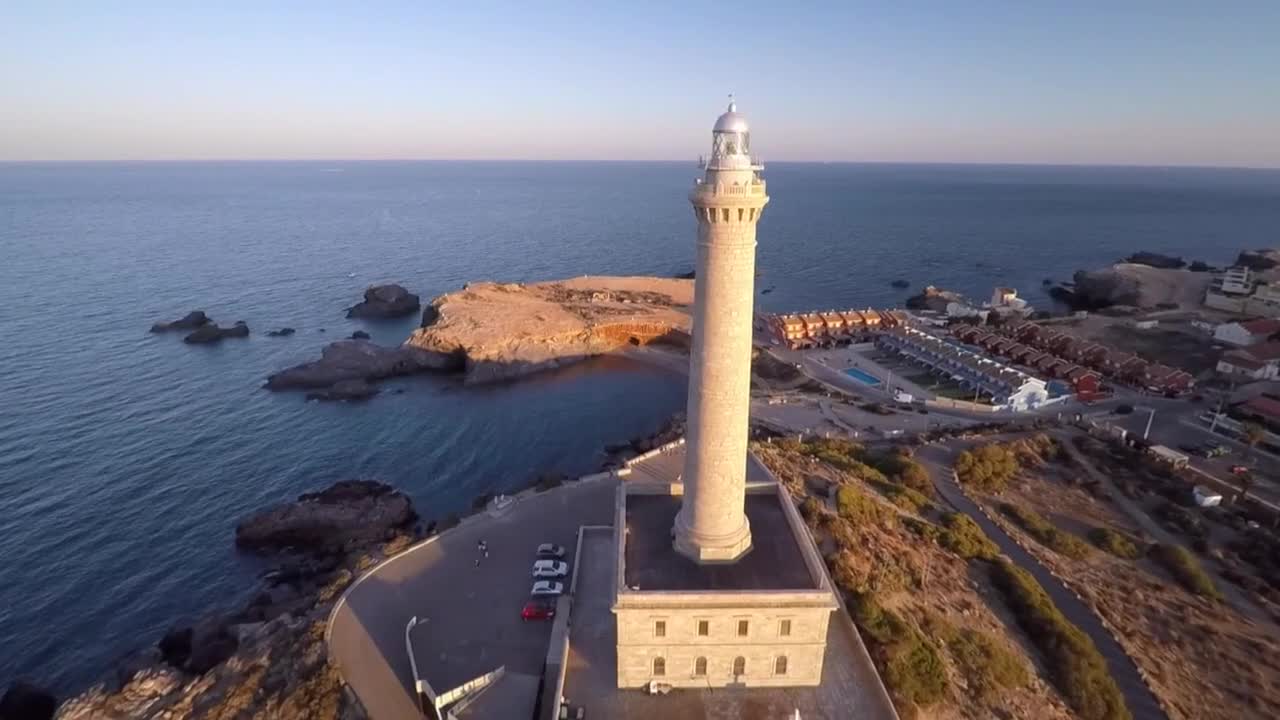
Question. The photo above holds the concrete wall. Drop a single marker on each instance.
(681, 645)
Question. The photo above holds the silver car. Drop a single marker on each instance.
(544, 588)
(550, 569)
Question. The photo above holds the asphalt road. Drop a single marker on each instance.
(469, 616)
(1142, 703)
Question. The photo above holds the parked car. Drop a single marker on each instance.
(547, 588)
(550, 569)
(538, 610)
(549, 550)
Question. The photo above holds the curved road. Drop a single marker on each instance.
(1142, 703)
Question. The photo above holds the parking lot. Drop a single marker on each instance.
(469, 615)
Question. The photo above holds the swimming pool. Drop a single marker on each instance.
(862, 377)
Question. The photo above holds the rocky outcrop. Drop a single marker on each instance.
(900, 284)
(359, 335)
(208, 334)
(504, 331)
(268, 659)
(935, 299)
(385, 301)
(190, 321)
(282, 332)
(345, 391)
(361, 360)
(24, 701)
(1156, 260)
(348, 513)
(1140, 286)
(1260, 259)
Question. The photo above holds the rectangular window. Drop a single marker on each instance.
(742, 628)
(704, 628)
(660, 628)
(784, 628)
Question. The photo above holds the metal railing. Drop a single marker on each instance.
(719, 189)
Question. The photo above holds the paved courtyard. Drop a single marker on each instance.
(469, 617)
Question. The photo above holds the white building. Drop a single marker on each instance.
(1237, 281)
(1005, 300)
(1246, 333)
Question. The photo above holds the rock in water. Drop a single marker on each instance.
(361, 360)
(345, 391)
(282, 332)
(352, 511)
(212, 333)
(900, 284)
(190, 321)
(385, 301)
(686, 275)
(359, 335)
(1261, 259)
(1156, 260)
(24, 701)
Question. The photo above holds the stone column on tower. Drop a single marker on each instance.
(712, 526)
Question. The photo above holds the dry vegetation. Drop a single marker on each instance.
(1204, 659)
(938, 630)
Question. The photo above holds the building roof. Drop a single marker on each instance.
(1263, 352)
(1264, 406)
(1242, 360)
(1262, 326)
(775, 561)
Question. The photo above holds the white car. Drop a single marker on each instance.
(550, 569)
(550, 550)
(543, 588)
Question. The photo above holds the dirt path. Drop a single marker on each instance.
(1142, 703)
(1238, 600)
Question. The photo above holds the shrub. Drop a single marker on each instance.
(963, 537)
(908, 662)
(987, 467)
(860, 509)
(923, 528)
(1077, 668)
(906, 498)
(1115, 543)
(1186, 569)
(986, 663)
(1061, 542)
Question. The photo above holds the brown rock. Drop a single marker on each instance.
(348, 512)
(385, 301)
(361, 360)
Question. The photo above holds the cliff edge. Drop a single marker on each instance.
(508, 330)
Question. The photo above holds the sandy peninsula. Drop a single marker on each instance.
(509, 330)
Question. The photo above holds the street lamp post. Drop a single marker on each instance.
(420, 699)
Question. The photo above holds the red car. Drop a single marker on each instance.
(538, 610)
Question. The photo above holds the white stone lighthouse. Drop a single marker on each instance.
(712, 526)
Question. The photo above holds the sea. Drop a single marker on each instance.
(127, 457)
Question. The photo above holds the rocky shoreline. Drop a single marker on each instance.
(268, 658)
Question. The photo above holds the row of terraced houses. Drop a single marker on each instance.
(1082, 363)
(799, 330)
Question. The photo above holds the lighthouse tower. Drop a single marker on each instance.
(711, 526)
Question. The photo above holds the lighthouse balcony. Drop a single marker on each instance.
(753, 189)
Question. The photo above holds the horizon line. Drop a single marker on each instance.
(161, 161)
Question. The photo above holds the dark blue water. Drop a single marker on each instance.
(126, 457)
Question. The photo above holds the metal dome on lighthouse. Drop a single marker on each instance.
(731, 142)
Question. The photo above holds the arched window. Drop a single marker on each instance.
(740, 212)
(700, 667)
(780, 665)
(659, 667)
(739, 665)
(725, 214)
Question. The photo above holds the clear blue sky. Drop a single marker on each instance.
(1126, 81)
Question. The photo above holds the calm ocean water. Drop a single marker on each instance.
(126, 457)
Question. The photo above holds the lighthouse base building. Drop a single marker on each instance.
(758, 622)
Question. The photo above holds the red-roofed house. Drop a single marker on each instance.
(1085, 382)
(1247, 333)
(1239, 363)
(1262, 408)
